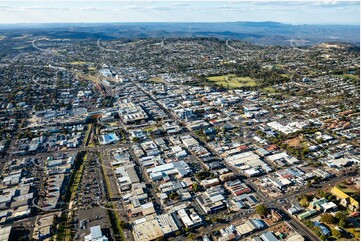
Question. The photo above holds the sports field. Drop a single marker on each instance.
(232, 81)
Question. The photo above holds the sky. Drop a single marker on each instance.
(82, 11)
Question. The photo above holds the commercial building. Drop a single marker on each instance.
(268, 236)
(179, 169)
(286, 129)
(151, 228)
(130, 112)
(237, 187)
(212, 200)
(189, 218)
(248, 162)
(250, 226)
(346, 200)
(95, 234)
(282, 159)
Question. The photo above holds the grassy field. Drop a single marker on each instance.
(349, 76)
(78, 63)
(77, 179)
(156, 80)
(87, 134)
(64, 231)
(232, 81)
(268, 90)
(93, 78)
(92, 68)
(278, 66)
(286, 75)
(150, 128)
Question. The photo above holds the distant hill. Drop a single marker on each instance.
(265, 33)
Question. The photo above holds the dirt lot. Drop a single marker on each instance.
(295, 142)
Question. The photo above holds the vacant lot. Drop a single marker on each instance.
(296, 143)
(232, 81)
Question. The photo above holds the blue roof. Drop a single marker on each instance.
(324, 229)
(108, 138)
(268, 236)
(96, 232)
(295, 173)
(259, 223)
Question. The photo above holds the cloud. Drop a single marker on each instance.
(167, 10)
(43, 8)
(133, 7)
(94, 9)
(180, 4)
(161, 8)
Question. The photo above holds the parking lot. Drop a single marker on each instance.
(90, 217)
(91, 192)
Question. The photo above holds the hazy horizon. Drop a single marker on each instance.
(164, 22)
(101, 12)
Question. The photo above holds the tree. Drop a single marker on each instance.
(122, 224)
(328, 218)
(161, 238)
(309, 223)
(317, 231)
(135, 139)
(304, 202)
(177, 233)
(203, 175)
(261, 209)
(336, 233)
(323, 237)
(174, 196)
(341, 215)
(322, 193)
(195, 187)
(191, 236)
(342, 223)
(329, 197)
(214, 220)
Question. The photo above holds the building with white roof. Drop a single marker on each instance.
(212, 200)
(130, 112)
(95, 234)
(288, 129)
(189, 220)
(5, 233)
(180, 169)
(282, 157)
(248, 162)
